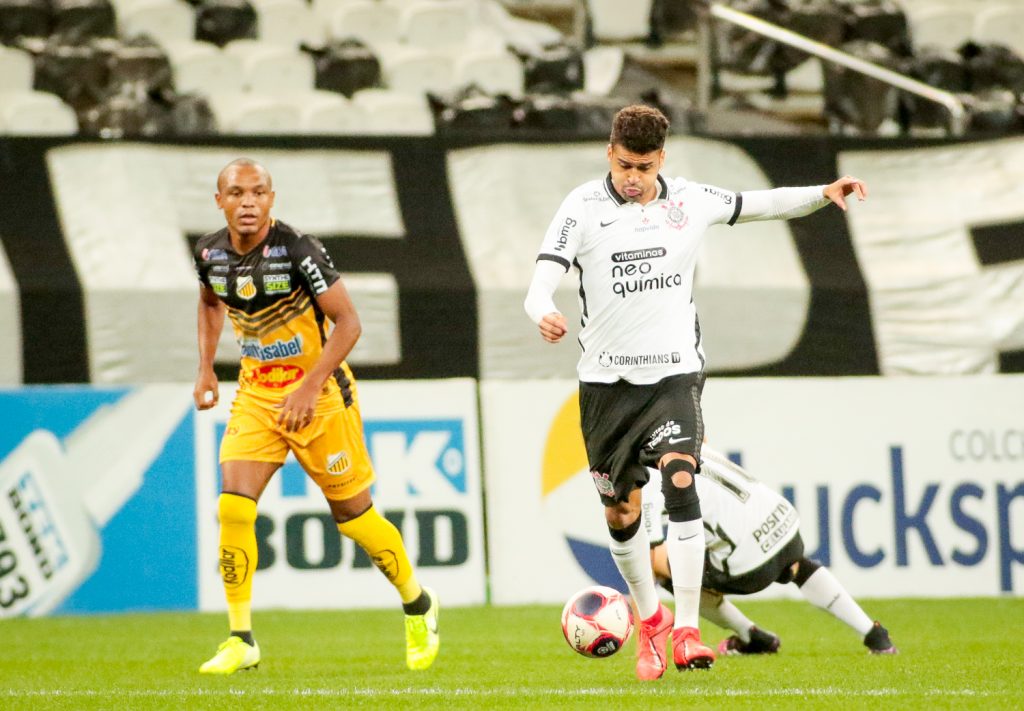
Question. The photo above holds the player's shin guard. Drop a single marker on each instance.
(238, 557)
(684, 542)
(383, 543)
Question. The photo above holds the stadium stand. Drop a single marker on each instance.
(556, 58)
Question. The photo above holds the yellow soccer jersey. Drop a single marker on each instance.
(270, 294)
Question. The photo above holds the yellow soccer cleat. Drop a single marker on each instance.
(422, 639)
(232, 655)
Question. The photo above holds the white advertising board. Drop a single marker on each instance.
(906, 486)
(423, 439)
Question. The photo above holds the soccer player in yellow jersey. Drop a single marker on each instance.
(295, 393)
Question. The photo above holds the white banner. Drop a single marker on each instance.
(905, 486)
(422, 437)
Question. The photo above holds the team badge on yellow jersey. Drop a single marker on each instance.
(245, 288)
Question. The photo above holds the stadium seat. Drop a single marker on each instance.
(223, 21)
(1001, 24)
(618, 21)
(138, 67)
(326, 113)
(390, 112)
(346, 66)
(417, 70)
(494, 71)
(289, 22)
(270, 67)
(204, 68)
(245, 113)
(945, 27)
(374, 23)
(435, 23)
(16, 70)
(24, 18)
(80, 20)
(165, 21)
(36, 113)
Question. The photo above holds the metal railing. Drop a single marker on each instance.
(958, 116)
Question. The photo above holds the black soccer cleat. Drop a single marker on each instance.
(877, 640)
(761, 642)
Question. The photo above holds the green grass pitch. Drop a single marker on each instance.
(954, 654)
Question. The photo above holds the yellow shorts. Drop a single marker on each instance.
(330, 449)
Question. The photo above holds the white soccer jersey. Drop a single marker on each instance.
(636, 265)
(745, 522)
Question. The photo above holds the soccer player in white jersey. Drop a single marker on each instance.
(641, 373)
(752, 539)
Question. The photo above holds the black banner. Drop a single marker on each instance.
(438, 315)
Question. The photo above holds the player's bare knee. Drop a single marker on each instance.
(682, 474)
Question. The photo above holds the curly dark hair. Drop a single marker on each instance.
(639, 129)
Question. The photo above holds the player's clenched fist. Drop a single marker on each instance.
(553, 327)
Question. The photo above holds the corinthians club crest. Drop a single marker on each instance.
(674, 215)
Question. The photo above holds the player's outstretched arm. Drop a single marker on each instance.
(790, 203)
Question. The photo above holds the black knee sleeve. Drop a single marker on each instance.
(624, 534)
(681, 504)
(805, 569)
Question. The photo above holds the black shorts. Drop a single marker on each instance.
(776, 570)
(627, 428)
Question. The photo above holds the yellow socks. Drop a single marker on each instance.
(237, 516)
(383, 543)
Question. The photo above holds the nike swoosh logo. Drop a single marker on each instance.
(432, 627)
(612, 222)
(677, 440)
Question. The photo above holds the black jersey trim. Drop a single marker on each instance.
(584, 312)
(272, 321)
(737, 209)
(345, 385)
(612, 192)
(662, 188)
(263, 328)
(697, 337)
(554, 258)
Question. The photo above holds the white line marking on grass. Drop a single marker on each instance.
(468, 692)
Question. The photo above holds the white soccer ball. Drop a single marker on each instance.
(597, 621)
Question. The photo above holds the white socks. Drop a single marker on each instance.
(684, 543)
(633, 559)
(824, 591)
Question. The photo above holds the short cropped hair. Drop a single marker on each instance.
(244, 162)
(639, 129)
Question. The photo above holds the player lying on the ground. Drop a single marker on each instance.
(752, 538)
